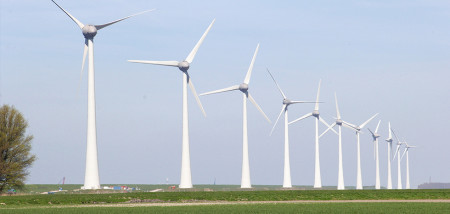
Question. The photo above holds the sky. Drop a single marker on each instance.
(387, 57)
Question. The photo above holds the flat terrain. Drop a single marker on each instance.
(249, 207)
(210, 200)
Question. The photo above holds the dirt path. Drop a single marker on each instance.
(169, 204)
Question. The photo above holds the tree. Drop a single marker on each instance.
(15, 146)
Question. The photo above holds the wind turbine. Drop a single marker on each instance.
(340, 123)
(358, 159)
(399, 171)
(375, 137)
(91, 179)
(243, 87)
(315, 113)
(186, 178)
(286, 103)
(389, 140)
(407, 163)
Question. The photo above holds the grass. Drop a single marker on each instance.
(329, 208)
(273, 195)
(39, 188)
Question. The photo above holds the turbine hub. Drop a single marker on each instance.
(339, 122)
(376, 135)
(183, 66)
(358, 128)
(287, 101)
(315, 113)
(243, 87)
(89, 31)
(389, 140)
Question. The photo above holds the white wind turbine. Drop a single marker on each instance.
(286, 102)
(186, 178)
(389, 140)
(91, 179)
(358, 153)
(399, 171)
(340, 123)
(316, 114)
(243, 87)
(407, 163)
(375, 137)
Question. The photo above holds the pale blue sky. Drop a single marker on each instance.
(390, 57)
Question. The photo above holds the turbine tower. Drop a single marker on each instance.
(186, 178)
(358, 151)
(315, 113)
(286, 102)
(91, 179)
(399, 171)
(243, 87)
(407, 163)
(389, 140)
(340, 123)
(375, 137)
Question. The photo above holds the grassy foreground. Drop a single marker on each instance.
(329, 208)
(285, 195)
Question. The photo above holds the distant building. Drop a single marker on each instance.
(434, 186)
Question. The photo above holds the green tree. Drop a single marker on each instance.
(15, 146)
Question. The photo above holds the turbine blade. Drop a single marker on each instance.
(395, 136)
(191, 85)
(84, 61)
(324, 122)
(390, 131)
(301, 118)
(316, 108)
(406, 150)
(231, 88)
(274, 125)
(349, 124)
(81, 25)
(249, 72)
(191, 55)
(396, 151)
(373, 135)
(257, 106)
(281, 91)
(118, 20)
(365, 123)
(337, 107)
(165, 63)
(376, 130)
(330, 127)
(294, 102)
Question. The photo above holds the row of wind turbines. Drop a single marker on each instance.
(92, 180)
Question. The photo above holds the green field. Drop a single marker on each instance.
(271, 195)
(330, 208)
(75, 200)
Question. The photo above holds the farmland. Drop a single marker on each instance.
(224, 199)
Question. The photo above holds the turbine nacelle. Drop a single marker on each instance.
(89, 31)
(315, 113)
(339, 122)
(287, 101)
(389, 140)
(375, 135)
(243, 87)
(183, 66)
